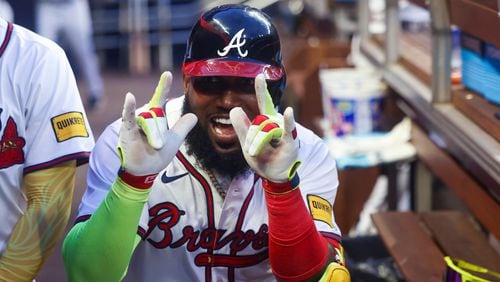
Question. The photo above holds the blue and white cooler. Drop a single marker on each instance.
(352, 100)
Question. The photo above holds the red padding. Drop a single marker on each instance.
(158, 111)
(214, 67)
(259, 119)
(139, 182)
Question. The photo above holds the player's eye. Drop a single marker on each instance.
(246, 85)
(215, 85)
(208, 85)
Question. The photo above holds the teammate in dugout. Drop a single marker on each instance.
(214, 185)
(44, 135)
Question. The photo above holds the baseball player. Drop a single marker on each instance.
(44, 135)
(72, 19)
(214, 185)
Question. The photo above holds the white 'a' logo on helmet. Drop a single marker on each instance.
(236, 42)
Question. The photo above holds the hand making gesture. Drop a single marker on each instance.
(146, 143)
(269, 143)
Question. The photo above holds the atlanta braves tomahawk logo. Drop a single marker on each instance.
(11, 145)
(236, 42)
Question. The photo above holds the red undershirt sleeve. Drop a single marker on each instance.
(297, 251)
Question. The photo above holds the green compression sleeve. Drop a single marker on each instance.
(101, 248)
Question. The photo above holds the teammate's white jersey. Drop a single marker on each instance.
(189, 232)
(42, 120)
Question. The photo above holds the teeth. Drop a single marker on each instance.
(223, 121)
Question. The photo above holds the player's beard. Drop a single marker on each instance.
(230, 164)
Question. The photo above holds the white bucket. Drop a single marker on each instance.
(352, 100)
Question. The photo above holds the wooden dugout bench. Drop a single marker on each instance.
(418, 242)
(413, 250)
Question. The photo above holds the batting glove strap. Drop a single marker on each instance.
(336, 273)
(138, 182)
(274, 188)
(339, 255)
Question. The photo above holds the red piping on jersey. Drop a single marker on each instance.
(244, 207)
(6, 40)
(206, 187)
(82, 218)
(141, 232)
(331, 236)
(210, 204)
(54, 162)
(239, 224)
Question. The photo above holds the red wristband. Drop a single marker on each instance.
(281, 188)
(139, 182)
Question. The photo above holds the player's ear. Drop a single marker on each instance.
(185, 82)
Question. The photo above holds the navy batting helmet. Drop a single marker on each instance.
(236, 40)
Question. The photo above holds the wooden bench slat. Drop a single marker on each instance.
(481, 203)
(409, 243)
(458, 237)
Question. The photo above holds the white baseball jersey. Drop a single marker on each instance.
(42, 120)
(190, 233)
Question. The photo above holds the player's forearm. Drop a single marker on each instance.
(297, 251)
(49, 194)
(100, 248)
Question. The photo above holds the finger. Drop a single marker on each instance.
(264, 137)
(257, 124)
(290, 130)
(253, 130)
(181, 129)
(240, 123)
(128, 113)
(128, 126)
(154, 128)
(264, 99)
(160, 94)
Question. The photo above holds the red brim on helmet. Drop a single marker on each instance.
(213, 67)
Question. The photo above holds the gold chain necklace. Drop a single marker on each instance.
(216, 184)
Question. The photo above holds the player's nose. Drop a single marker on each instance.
(229, 99)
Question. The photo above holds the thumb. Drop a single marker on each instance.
(181, 128)
(290, 130)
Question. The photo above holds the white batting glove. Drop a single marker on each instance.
(269, 142)
(146, 145)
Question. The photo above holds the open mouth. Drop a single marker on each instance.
(223, 130)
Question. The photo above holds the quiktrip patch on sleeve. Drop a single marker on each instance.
(69, 125)
(320, 209)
